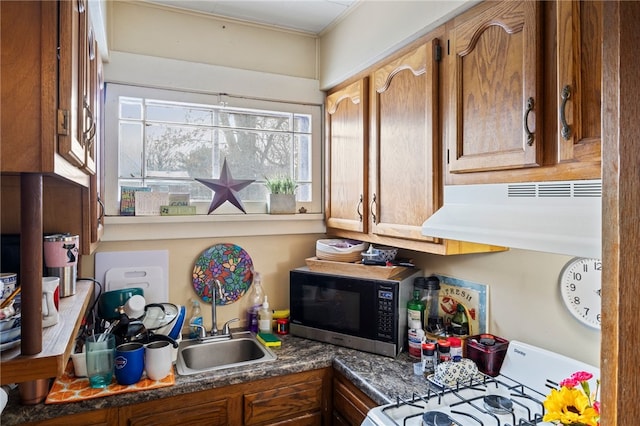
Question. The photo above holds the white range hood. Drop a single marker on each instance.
(562, 217)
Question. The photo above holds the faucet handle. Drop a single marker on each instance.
(225, 327)
(202, 332)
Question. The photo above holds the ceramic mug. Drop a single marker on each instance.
(50, 314)
(129, 363)
(158, 359)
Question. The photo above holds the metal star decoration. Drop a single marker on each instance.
(226, 189)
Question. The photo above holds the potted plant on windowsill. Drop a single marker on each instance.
(282, 195)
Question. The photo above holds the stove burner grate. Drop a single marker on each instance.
(498, 404)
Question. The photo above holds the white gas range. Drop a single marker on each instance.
(513, 398)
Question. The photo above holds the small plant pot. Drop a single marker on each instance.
(281, 204)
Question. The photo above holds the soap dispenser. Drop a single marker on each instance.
(264, 317)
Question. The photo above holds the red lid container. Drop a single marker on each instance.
(488, 352)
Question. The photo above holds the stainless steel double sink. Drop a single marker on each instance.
(241, 349)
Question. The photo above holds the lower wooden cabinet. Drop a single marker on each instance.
(350, 404)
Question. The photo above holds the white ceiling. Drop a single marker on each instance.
(310, 16)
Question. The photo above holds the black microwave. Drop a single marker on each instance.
(360, 313)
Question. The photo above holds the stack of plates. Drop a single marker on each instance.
(340, 250)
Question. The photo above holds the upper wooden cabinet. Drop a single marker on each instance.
(495, 88)
(51, 94)
(347, 155)
(405, 155)
(49, 82)
(383, 153)
(502, 56)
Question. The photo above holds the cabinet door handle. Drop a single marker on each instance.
(358, 208)
(566, 129)
(374, 203)
(101, 217)
(528, 132)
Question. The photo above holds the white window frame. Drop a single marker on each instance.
(118, 228)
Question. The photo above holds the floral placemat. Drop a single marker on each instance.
(69, 388)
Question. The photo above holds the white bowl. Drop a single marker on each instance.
(385, 253)
(8, 323)
(11, 334)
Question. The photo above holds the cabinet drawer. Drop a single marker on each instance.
(282, 402)
(210, 413)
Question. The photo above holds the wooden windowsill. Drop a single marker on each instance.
(57, 342)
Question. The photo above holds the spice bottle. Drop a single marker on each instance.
(444, 351)
(456, 348)
(428, 358)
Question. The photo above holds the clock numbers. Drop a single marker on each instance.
(580, 289)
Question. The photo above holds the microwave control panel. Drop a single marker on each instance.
(387, 309)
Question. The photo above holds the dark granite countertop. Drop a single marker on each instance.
(381, 378)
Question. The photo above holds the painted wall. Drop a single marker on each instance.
(273, 257)
(147, 29)
(375, 29)
(524, 298)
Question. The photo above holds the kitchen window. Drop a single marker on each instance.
(163, 139)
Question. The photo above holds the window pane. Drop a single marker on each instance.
(178, 151)
(302, 123)
(131, 108)
(130, 148)
(303, 160)
(176, 113)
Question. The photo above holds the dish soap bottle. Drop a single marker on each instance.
(265, 317)
(196, 318)
(255, 301)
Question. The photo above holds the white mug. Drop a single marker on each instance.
(50, 314)
(158, 359)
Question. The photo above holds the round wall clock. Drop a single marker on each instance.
(580, 287)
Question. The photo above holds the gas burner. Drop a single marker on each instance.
(437, 418)
(498, 404)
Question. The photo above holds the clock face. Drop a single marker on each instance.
(580, 287)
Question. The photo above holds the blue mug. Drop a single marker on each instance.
(129, 363)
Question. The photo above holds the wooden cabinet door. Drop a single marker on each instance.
(495, 88)
(92, 110)
(72, 40)
(350, 404)
(287, 400)
(579, 37)
(178, 411)
(346, 152)
(406, 156)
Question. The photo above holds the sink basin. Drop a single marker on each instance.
(242, 349)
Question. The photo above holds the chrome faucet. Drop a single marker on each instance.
(216, 289)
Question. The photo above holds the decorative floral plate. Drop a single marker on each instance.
(228, 263)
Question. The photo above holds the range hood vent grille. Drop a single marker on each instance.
(555, 189)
